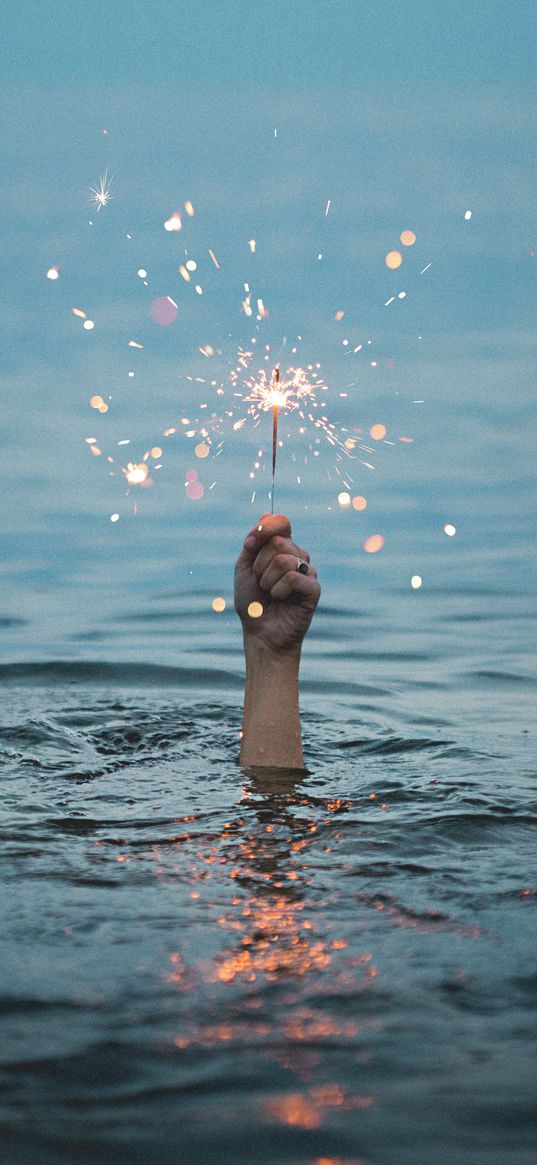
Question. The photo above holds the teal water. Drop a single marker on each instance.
(204, 964)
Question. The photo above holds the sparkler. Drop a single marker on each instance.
(292, 388)
(100, 195)
(291, 393)
(276, 405)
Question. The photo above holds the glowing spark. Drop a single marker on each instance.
(100, 195)
(416, 582)
(292, 392)
(174, 222)
(136, 474)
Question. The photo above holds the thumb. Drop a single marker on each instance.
(252, 543)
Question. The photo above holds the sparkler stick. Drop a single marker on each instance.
(274, 433)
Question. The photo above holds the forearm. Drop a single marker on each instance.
(271, 735)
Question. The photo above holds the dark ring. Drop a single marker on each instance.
(303, 568)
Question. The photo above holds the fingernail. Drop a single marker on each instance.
(250, 541)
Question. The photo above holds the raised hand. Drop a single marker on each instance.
(273, 571)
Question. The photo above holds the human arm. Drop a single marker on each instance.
(266, 573)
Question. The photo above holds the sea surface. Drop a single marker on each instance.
(199, 964)
(205, 964)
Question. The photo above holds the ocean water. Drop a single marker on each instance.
(206, 964)
(202, 964)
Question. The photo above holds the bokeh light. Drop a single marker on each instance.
(416, 582)
(450, 530)
(393, 260)
(344, 500)
(378, 432)
(194, 490)
(374, 543)
(255, 610)
(359, 503)
(163, 310)
(407, 238)
(218, 604)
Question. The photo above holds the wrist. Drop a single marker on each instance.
(259, 653)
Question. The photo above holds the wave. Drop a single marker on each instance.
(134, 674)
(394, 744)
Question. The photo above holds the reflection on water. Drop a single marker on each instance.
(269, 939)
(262, 967)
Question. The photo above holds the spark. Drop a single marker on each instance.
(136, 473)
(100, 195)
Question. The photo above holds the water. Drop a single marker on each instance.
(206, 964)
(201, 964)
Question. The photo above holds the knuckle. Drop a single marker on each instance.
(280, 561)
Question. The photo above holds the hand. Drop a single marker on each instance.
(266, 572)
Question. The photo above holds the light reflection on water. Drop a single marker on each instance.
(261, 966)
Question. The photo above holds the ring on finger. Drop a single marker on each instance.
(302, 566)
